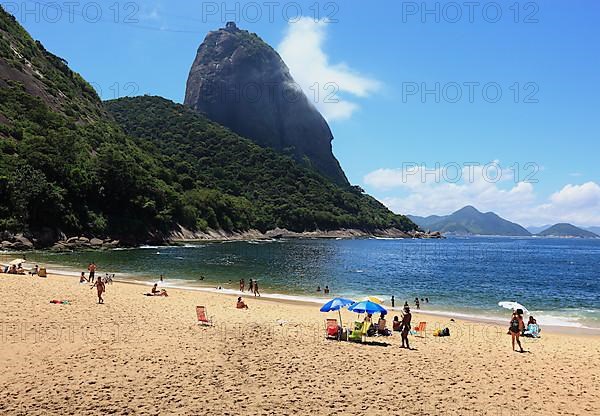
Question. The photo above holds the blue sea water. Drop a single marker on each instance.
(558, 280)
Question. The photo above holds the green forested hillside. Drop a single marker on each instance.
(270, 189)
(65, 164)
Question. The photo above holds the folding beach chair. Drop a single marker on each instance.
(332, 330)
(202, 318)
(357, 333)
(420, 329)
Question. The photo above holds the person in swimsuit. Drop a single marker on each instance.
(256, 292)
(82, 278)
(405, 327)
(516, 328)
(241, 304)
(92, 270)
(99, 285)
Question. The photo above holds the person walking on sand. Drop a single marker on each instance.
(99, 285)
(405, 327)
(251, 285)
(516, 327)
(92, 270)
(242, 284)
(256, 292)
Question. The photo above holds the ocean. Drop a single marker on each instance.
(558, 280)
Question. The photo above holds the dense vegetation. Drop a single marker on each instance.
(66, 164)
(261, 188)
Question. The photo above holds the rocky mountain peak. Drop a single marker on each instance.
(241, 82)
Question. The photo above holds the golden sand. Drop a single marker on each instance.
(146, 355)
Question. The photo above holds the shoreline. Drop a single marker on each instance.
(18, 242)
(307, 300)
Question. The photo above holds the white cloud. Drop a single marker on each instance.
(428, 191)
(323, 82)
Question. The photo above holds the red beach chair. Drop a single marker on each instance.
(420, 329)
(332, 328)
(202, 318)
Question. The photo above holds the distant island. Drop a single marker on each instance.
(567, 230)
(470, 221)
(595, 230)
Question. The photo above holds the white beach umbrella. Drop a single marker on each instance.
(16, 262)
(512, 305)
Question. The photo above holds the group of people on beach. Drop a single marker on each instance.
(517, 328)
(401, 325)
(99, 283)
(14, 269)
(252, 286)
(20, 270)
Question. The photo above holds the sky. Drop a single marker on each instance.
(433, 105)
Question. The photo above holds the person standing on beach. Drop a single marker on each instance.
(92, 270)
(516, 327)
(251, 285)
(393, 301)
(405, 327)
(99, 285)
(242, 284)
(417, 304)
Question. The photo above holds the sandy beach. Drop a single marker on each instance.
(146, 355)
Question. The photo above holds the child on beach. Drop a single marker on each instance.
(242, 285)
(82, 278)
(99, 284)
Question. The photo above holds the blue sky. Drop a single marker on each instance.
(377, 55)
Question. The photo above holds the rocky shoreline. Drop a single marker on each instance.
(220, 235)
(20, 242)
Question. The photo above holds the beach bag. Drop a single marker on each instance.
(445, 332)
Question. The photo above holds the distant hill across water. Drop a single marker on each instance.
(470, 221)
(567, 230)
(595, 230)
